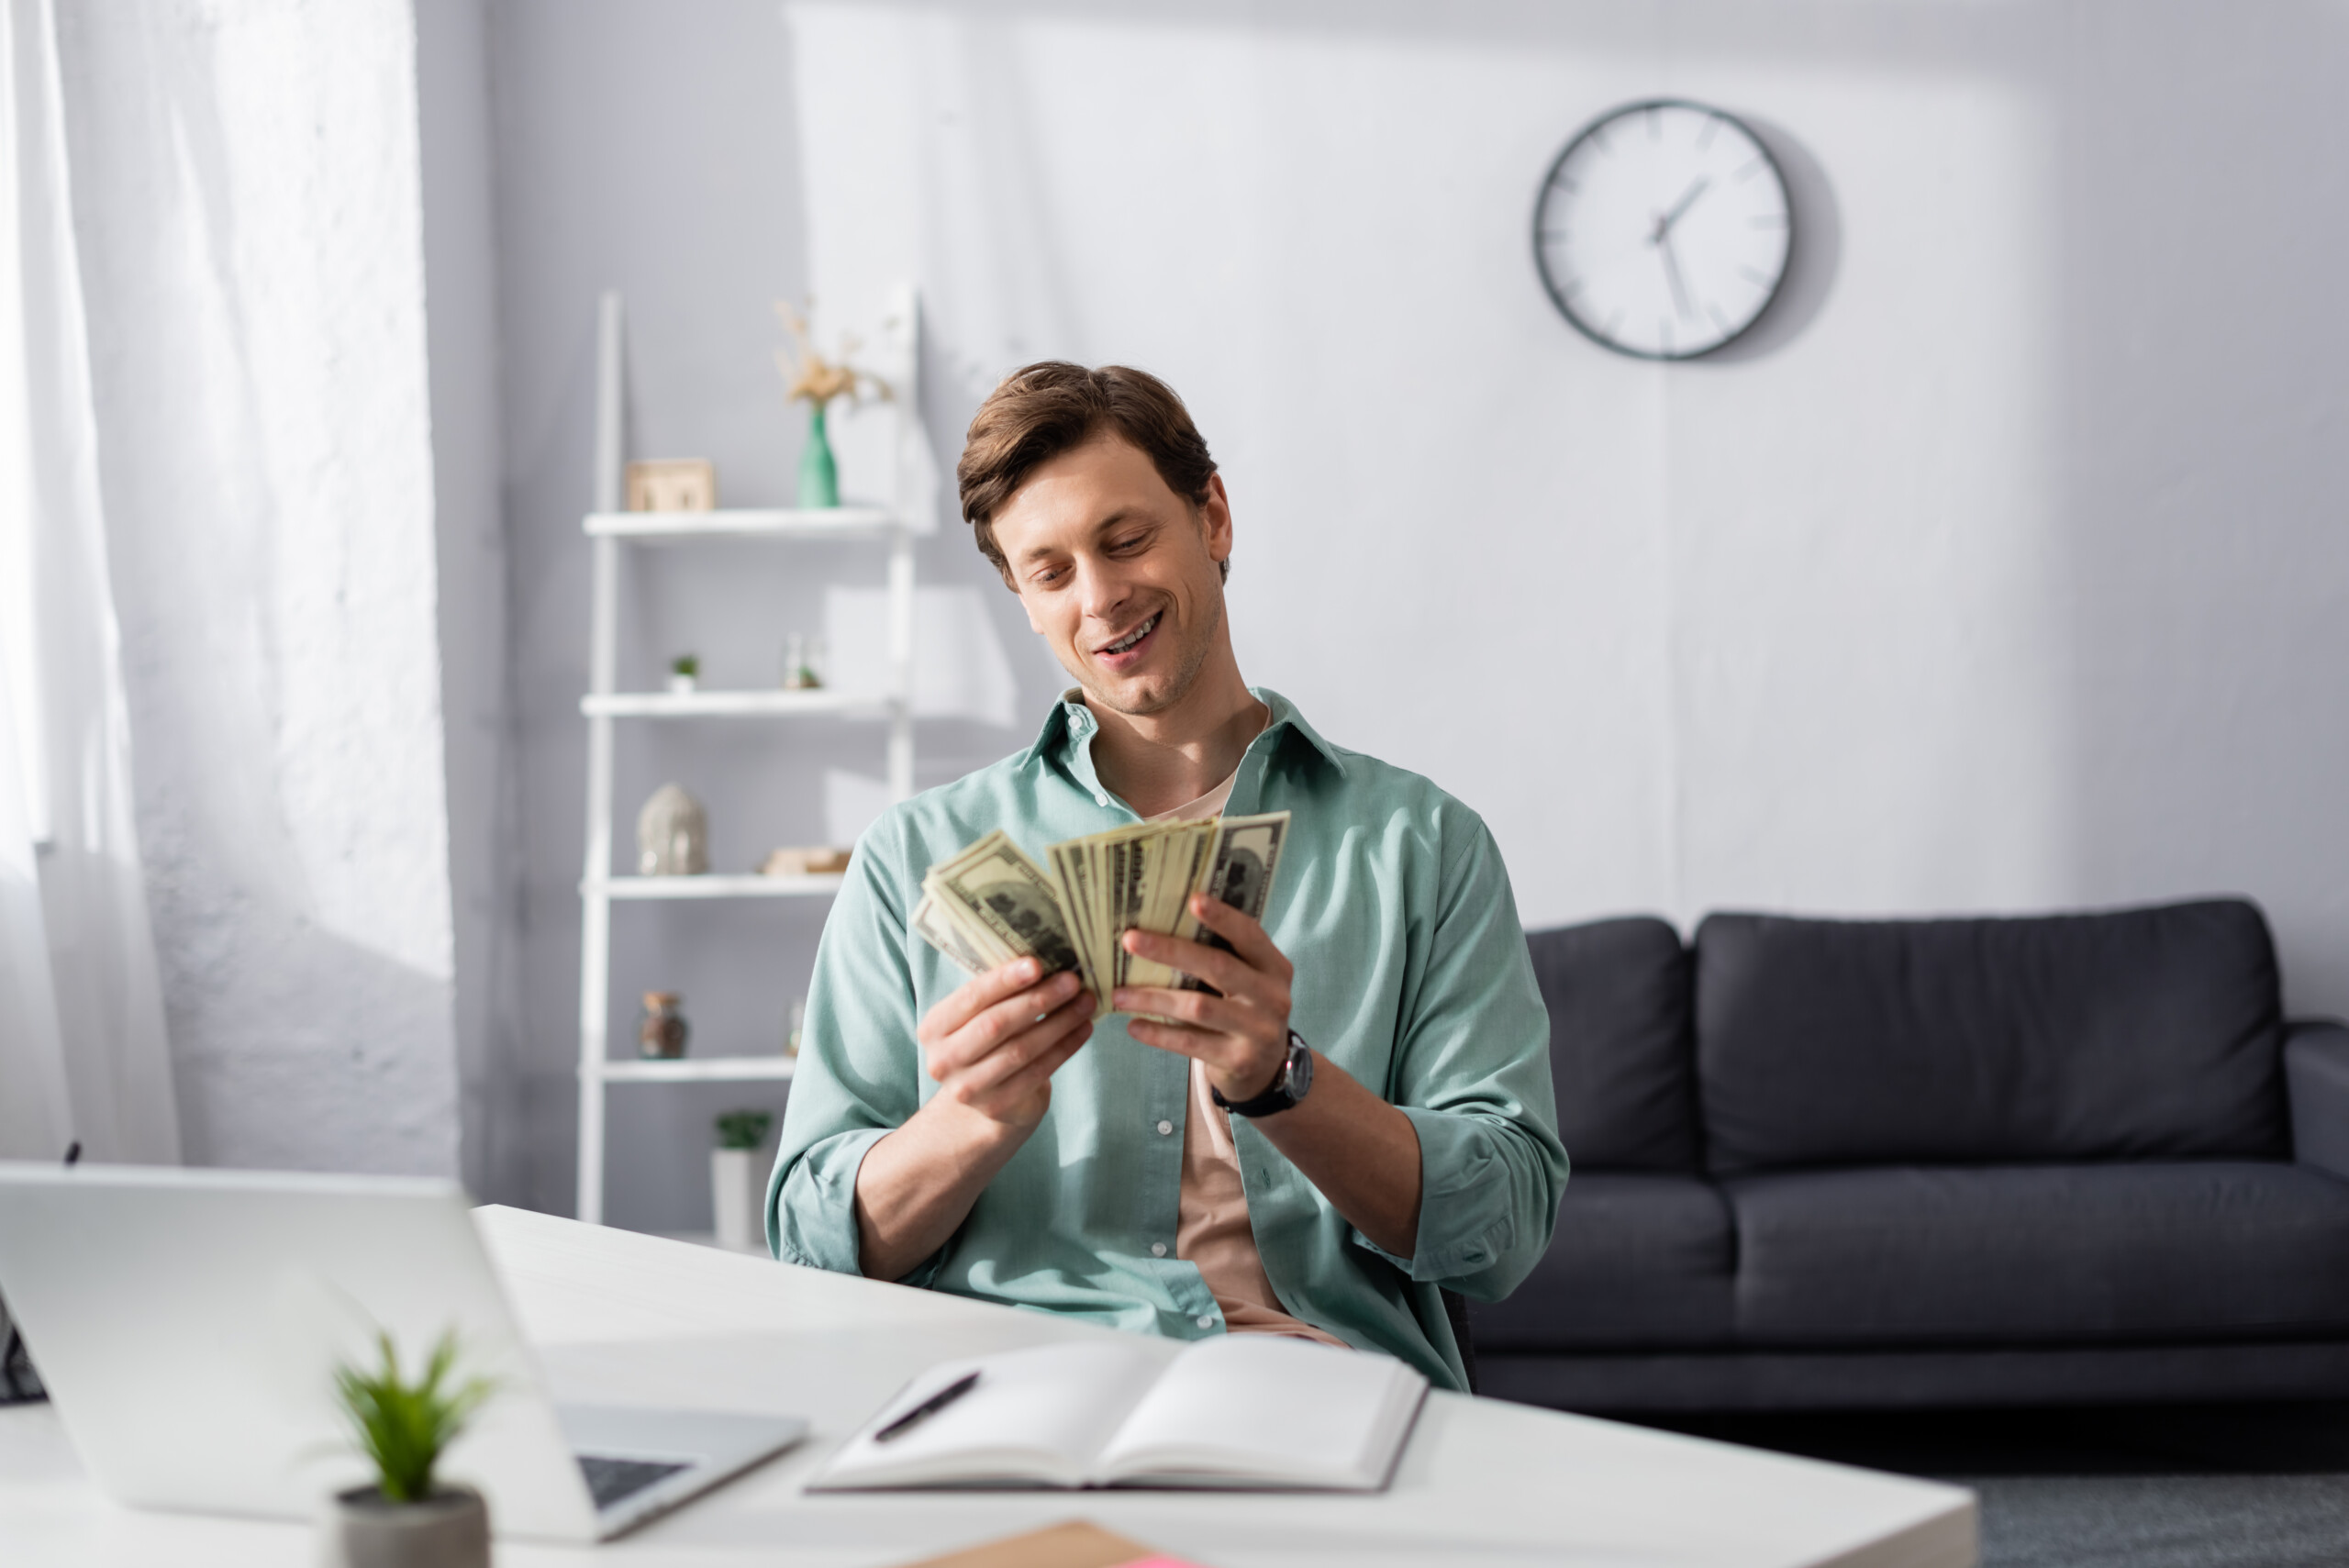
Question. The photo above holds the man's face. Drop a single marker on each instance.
(1117, 573)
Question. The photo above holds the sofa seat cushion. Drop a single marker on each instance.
(1638, 1260)
(2133, 1034)
(2045, 1254)
(1620, 1048)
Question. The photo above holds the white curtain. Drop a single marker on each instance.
(82, 1055)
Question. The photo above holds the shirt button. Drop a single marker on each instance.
(1165, 1127)
(1207, 1320)
(1101, 800)
(1158, 1249)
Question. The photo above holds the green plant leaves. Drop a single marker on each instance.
(403, 1427)
(743, 1129)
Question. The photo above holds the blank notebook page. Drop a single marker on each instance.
(1286, 1405)
(1059, 1399)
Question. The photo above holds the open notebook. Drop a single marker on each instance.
(1245, 1412)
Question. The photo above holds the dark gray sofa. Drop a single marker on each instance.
(1827, 1163)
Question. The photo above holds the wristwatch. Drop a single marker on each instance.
(1290, 1084)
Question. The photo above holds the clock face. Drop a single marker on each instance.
(1662, 229)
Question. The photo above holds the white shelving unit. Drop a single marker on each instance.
(612, 534)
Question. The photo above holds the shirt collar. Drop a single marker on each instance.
(1071, 726)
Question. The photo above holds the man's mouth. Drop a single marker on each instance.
(1127, 642)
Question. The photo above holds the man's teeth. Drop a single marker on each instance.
(1139, 633)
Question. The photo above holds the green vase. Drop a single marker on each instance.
(820, 476)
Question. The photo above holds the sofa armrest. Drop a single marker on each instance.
(2316, 1076)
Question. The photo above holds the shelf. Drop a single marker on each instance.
(685, 527)
(696, 1069)
(873, 539)
(706, 886)
(751, 703)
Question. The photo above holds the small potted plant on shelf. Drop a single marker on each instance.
(407, 1518)
(685, 674)
(738, 1180)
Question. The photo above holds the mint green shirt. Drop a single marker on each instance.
(1413, 975)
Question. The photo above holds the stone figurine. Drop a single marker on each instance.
(671, 834)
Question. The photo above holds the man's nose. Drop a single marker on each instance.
(1102, 593)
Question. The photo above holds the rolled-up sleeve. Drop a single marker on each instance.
(1471, 1071)
(859, 1070)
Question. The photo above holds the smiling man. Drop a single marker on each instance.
(1357, 1117)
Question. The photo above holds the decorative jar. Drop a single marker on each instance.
(661, 1029)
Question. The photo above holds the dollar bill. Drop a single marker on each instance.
(1173, 866)
(993, 888)
(989, 904)
(1073, 875)
(931, 924)
(1239, 872)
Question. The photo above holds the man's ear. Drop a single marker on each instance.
(1215, 519)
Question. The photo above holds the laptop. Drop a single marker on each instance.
(188, 1323)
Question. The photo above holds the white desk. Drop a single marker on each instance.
(624, 1318)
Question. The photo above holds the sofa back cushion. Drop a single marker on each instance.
(2139, 1033)
(1618, 992)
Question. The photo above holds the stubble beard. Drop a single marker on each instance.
(1193, 658)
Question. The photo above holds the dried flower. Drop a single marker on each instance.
(810, 377)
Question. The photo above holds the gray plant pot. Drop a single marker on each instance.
(364, 1529)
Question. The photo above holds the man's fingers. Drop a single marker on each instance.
(1246, 937)
(1217, 1049)
(975, 996)
(1016, 1056)
(1194, 1009)
(994, 1025)
(1018, 1086)
(1218, 968)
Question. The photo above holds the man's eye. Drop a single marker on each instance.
(1129, 542)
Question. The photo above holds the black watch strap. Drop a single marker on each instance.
(1289, 1084)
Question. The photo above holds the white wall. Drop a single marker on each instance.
(247, 204)
(2002, 570)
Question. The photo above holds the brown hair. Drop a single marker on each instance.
(1043, 410)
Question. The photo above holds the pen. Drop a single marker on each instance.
(927, 1407)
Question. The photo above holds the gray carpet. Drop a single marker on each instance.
(2170, 1486)
(2164, 1521)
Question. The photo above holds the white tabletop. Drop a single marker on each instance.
(622, 1317)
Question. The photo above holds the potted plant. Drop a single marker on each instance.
(685, 673)
(738, 1180)
(407, 1518)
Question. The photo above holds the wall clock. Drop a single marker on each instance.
(1662, 229)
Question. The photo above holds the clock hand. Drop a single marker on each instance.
(1671, 276)
(1664, 224)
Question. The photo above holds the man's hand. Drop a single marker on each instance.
(995, 1043)
(993, 1046)
(1242, 1035)
(1362, 1152)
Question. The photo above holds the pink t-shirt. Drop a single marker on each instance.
(1211, 1230)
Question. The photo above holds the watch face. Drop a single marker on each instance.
(1662, 229)
(1298, 1079)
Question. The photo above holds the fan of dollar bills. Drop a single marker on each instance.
(991, 903)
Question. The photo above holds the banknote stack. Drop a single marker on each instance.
(991, 903)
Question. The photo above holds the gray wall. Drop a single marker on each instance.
(651, 149)
(461, 288)
(2003, 570)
